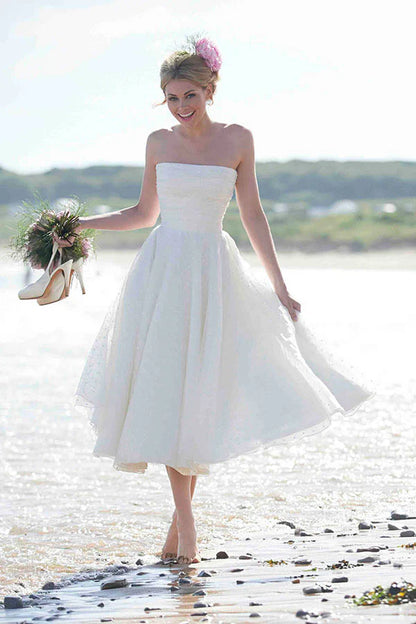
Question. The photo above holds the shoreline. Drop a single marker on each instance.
(289, 573)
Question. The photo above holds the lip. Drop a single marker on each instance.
(186, 118)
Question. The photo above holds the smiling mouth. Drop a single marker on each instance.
(186, 116)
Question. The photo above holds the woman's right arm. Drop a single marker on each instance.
(141, 215)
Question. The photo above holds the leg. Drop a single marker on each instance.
(187, 551)
(170, 547)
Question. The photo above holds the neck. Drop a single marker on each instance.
(198, 132)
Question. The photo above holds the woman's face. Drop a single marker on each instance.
(186, 101)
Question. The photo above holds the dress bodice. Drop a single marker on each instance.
(194, 197)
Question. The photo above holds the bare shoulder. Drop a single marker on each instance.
(241, 133)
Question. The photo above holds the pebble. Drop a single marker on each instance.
(221, 555)
(392, 527)
(204, 573)
(184, 581)
(395, 515)
(303, 561)
(289, 524)
(254, 614)
(340, 579)
(237, 570)
(408, 533)
(302, 614)
(328, 531)
(367, 560)
(246, 557)
(198, 613)
(311, 589)
(197, 605)
(114, 584)
(369, 549)
(254, 604)
(13, 602)
(365, 525)
(200, 592)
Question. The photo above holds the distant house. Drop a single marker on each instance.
(280, 208)
(318, 211)
(386, 208)
(343, 206)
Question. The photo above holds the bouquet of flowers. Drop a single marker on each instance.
(39, 226)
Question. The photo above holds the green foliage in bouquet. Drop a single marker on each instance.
(38, 224)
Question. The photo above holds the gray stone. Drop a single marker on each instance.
(392, 527)
(365, 525)
(395, 515)
(367, 560)
(200, 592)
(289, 524)
(13, 602)
(221, 555)
(340, 579)
(303, 561)
(204, 573)
(254, 614)
(198, 605)
(408, 533)
(328, 531)
(114, 584)
(312, 589)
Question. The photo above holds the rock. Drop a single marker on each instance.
(254, 604)
(325, 614)
(328, 531)
(49, 585)
(369, 549)
(398, 516)
(200, 592)
(302, 532)
(289, 524)
(387, 562)
(139, 562)
(199, 613)
(246, 557)
(237, 570)
(340, 579)
(204, 573)
(239, 582)
(312, 589)
(184, 581)
(254, 614)
(392, 527)
(365, 525)
(367, 560)
(13, 602)
(114, 584)
(303, 561)
(295, 581)
(100, 604)
(396, 564)
(408, 533)
(302, 614)
(198, 605)
(221, 555)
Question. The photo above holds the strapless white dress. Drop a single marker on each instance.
(197, 361)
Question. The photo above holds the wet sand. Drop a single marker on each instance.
(289, 575)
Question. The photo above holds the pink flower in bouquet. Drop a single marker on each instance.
(209, 52)
(86, 247)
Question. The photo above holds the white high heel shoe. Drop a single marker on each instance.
(56, 282)
(77, 269)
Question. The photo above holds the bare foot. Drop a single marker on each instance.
(187, 545)
(170, 547)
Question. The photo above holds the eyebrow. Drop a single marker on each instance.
(184, 93)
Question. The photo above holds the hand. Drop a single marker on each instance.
(291, 304)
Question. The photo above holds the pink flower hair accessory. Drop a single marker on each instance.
(209, 52)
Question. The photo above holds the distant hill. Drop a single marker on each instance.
(320, 182)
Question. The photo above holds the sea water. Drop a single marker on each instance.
(63, 509)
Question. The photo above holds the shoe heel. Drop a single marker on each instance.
(77, 269)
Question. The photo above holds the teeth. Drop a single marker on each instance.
(189, 114)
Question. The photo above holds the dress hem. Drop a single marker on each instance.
(140, 467)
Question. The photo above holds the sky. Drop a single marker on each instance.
(312, 80)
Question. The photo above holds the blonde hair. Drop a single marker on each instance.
(185, 64)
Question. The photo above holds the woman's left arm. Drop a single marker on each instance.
(255, 221)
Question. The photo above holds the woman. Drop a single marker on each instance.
(200, 360)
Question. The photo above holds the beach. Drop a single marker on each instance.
(70, 519)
